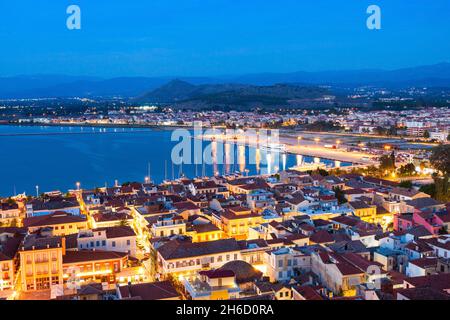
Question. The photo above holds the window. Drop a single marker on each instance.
(97, 243)
(103, 242)
(280, 263)
(128, 242)
(114, 244)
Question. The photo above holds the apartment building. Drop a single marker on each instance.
(182, 257)
(119, 239)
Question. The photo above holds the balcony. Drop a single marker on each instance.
(41, 261)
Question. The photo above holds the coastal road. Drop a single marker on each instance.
(303, 147)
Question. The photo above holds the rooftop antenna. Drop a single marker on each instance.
(173, 173)
(15, 193)
(149, 177)
(165, 170)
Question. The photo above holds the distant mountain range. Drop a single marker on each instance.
(50, 86)
(182, 94)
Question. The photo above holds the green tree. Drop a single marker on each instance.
(407, 170)
(405, 184)
(339, 195)
(426, 134)
(387, 162)
(443, 230)
(440, 160)
(429, 189)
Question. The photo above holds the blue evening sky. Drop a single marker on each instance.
(217, 37)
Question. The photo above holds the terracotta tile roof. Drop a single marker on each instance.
(58, 217)
(425, 262)
(41, 242)
(10, 247)
(91, 255)
(117, 232)
(308, 292)
(423, 294)
(321, 236)
(439, 281)
(176, 249)
(149, 291)
(185, 205)
(205, 227)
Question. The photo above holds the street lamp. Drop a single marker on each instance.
(317, 140)
(37, 191)
(147, 179)
(78, 186)
(338, 142)
(298, 140)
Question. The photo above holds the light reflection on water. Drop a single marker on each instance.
(98, 156)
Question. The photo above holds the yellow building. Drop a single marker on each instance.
(205, 232)
(61, 223)
(212, 285)
(366, 212)
(41, 262)
(236, 221)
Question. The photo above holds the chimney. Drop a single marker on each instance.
(129, 289)
(63, 244)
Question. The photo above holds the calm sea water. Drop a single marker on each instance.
(55, 158)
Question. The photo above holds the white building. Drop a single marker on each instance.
(119, 239)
